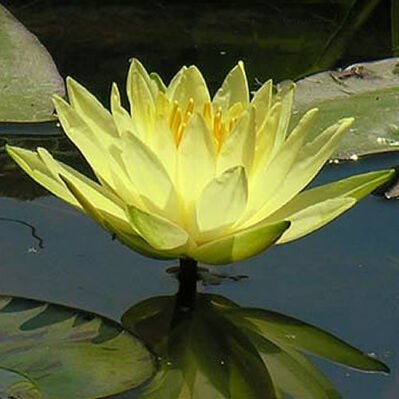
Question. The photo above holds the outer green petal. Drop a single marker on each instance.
(233, 90)
(242, 245)
(314, 217)
(159, 232)
(92, 112)
(239, 146)
(222, 200)
(112, 224)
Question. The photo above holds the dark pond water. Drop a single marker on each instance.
(344, 278)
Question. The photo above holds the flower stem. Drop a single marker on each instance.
(187, 276)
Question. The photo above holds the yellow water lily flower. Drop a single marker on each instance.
(184, 175)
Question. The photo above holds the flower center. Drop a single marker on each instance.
(179, 120)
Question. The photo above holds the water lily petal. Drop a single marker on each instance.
(92, 112)
(196, 159)
(262, 102)
(141, 91)
(266, 137)
(191, 85)
(123, 232)
(100, 198)
(268, 180)
(308, 163)
(90, 145)
(222, 200)
(241, 245)
(234, 90)
(314, 217)
(149, 176)
(159, 232)
(286, 97)
(354, 187)
(34, 166)
(121, 116)
(141, 246)
(238, 148)
(174, 83)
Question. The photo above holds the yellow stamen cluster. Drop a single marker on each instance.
(178, 121)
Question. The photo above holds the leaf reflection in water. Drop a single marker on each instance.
(220, 350)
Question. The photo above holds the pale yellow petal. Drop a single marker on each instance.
(189, 86)
(90, 110)
(234, 90)
(266, 137)
(262, 102)
(175, 82)
(286, 97)
(92, 146)
(159, 232)
(242, 245)
(142, 102)
(120, 229)
(33, 165)
(222, 201)
(318, 201)
(314, 217)
(137, 69)
(163, 144)
(238, 148)
(122, 118)
(149, 176)
(268, 180)
(196, 160)
(100, 198)
(308, 163)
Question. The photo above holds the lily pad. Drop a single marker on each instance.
(369, 92)
(53, 352)
(28, 74)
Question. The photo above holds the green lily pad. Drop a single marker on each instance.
(219, 350)
(53, 352)
(28, 74)
(369, 92)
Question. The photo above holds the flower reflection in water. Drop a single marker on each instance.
(218, 349)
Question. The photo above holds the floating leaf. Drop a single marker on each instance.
(28, 74)
(369, 92)
(53, 352)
